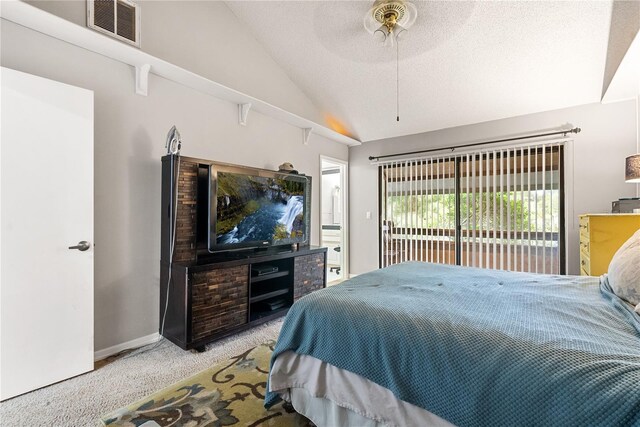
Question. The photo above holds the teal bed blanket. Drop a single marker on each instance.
(479, 347)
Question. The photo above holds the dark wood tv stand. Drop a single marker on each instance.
(217, 299)
(212, 296)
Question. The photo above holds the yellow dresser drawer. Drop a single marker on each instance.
(601, 235)
(584, 227)
(585, 268)
(584, 245)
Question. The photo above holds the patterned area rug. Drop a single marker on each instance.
(230, 393)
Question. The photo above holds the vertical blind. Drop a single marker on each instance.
(500, 209)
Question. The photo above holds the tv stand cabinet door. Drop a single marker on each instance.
(219, 300)
(309, 274)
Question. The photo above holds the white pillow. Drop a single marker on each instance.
(624, 270)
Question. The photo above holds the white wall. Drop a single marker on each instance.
(608, 136)
(207, 38)
(329, 183)
(130, 132)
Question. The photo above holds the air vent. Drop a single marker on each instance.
(118, 18)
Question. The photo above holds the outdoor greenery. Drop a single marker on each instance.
(525, 209)
(505, 223)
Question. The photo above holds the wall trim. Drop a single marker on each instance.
(115, 349)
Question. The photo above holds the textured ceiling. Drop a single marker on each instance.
(461, 63)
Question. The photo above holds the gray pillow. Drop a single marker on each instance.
(624, 270)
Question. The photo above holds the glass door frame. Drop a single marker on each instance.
(479, 156)
(344, 198)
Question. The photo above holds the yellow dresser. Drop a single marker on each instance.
(601, 235)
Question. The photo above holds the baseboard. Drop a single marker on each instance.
(114, 349)
(351, 276)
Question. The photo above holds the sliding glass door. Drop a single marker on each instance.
(499, 209)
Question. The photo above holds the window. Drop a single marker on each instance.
(499, 209)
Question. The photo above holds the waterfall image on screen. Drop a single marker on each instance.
(253, 208)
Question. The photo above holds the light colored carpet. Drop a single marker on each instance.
(82, 400)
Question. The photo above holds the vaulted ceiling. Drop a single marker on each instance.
(461, 63)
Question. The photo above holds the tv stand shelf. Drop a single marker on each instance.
(268, 295)
(262, 317)
(256, 279)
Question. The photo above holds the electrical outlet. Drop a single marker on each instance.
(368, 215)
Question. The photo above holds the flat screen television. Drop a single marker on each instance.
(251, 208)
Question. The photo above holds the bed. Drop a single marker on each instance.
(434, 345)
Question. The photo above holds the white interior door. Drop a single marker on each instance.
(46, 205)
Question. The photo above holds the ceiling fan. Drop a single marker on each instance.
(387, 20)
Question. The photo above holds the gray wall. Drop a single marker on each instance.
(625, 23)
(608, 136)
(130, 132)
(207, 38)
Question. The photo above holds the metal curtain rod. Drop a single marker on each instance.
(539, 135)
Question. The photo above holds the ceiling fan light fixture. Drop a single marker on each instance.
(391, 14)
(387, 39)
(381, 35)
(410, 15)
(399, 31)
(387, 20)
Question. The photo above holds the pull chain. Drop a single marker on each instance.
(397, 80)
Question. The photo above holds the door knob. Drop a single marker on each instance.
(81, 246)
